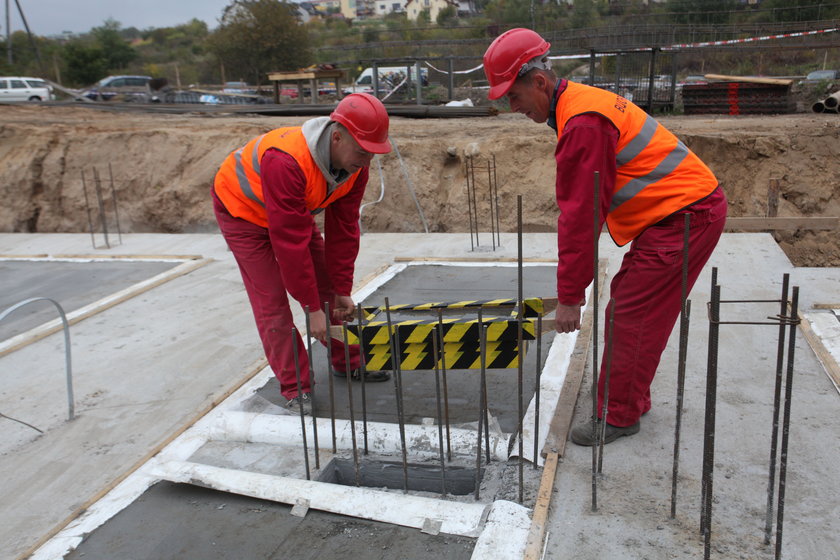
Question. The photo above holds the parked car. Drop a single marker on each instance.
(112, 86)
(818, 76)
(25, 89)
(693, 80)
(237, 87)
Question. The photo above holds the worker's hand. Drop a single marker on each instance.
(318, 325)
(344, 308)
(567, 318)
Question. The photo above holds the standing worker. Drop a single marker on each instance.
(648, 181)
(265, 197)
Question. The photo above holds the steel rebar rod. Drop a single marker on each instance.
(783, 460)
(436, 354)
(330, 383)
(363, 374)
(445, 387)
(300, 401)
(709, 428)
(683, 350)
(97, 187)
(777, 399)
(312, 387)
(395, 359)
(537, 377)
(469, 201)
(606, 400)
(519, 346)
(481, 405)
(114, 201)
(595, 372)
(485, 409)
(87, 208)
(496, 196)
(349, 377)
(490, 197)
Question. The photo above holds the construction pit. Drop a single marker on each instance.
(179, 447)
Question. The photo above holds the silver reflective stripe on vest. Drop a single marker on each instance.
(665, 167)
(638, 143)
(244, 184)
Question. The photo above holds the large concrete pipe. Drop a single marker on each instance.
(832, 101)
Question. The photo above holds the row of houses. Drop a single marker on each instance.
(360, 9)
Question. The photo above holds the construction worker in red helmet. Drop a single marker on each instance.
(648, 180)
(265, 197)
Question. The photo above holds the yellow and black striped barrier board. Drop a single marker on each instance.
(454, 330)
(456, 355)
(532, 307)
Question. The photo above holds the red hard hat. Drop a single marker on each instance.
(364, 116)
(505, 56)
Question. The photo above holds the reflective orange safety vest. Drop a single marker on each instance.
(239, 186)
(656, 174)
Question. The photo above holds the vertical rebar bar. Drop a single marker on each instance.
(490, 197)
(97, 185)
(312, 387)
(436, 355)
(87, 208)
(595, 372)
(496, 197)
(470, 179)
(520, 346)
(300, 400)
(363, 374)
(683, 351)
(481, 404)
(777, 399)
(537, 376)
(606, 399)
(395, 360)
(330, 383)
(482, 340)
(783, 458)
(114, 201)
(709, 428)
(349, 378)
(445, 387)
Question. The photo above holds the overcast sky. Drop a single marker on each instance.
(51, 17)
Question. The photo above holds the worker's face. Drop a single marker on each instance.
(530, 97)
(346, 153)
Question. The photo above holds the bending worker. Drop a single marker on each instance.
(265, 197)
(648, 180)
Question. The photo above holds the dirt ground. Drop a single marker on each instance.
(163, 167)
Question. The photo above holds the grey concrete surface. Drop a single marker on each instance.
(148, 367)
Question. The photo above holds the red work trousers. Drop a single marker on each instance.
(255, 256)
(647, 291)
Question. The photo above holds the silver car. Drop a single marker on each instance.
(24, 89)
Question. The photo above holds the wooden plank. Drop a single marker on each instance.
(312, 75)
(749, 223)
(558, 431)
(826, 359)
(826, 306)
(749, 79)
(536, 534)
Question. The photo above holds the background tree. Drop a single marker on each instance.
(701, 11)
(259, 36)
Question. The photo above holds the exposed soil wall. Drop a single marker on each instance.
(163, 167)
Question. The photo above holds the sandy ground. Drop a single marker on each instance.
(163, 166)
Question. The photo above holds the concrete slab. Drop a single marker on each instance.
(152, 365)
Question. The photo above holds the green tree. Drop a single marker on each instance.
(116, 50)
(448, 16)
(85, 63)
(801, 10)
(584, 14)
(259, 36)
(513, 12)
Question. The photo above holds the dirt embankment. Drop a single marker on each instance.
(163, 167)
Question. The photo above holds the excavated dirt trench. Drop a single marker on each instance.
(163, 167)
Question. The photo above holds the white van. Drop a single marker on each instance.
(389, 78)
(17, 88)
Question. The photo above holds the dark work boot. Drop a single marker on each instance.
(582, 433)
(371, 376)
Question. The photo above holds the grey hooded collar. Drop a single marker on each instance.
(317, 132)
